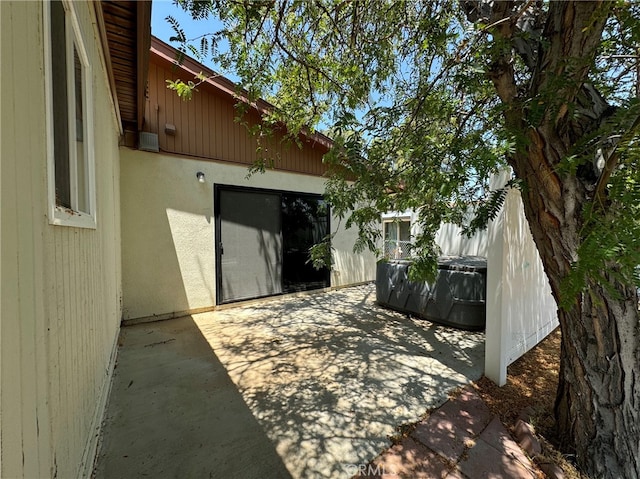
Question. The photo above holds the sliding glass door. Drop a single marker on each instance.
(263, 238)
(249, 246)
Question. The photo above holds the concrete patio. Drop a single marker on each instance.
(297, 387)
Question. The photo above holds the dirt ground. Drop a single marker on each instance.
(531, 384)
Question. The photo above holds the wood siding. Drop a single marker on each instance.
(127, 27)
(206, 126)
(60, 296)
(120, 19)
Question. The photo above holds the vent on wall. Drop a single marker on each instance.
(148, 141)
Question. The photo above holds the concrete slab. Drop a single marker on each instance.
(309, 386)
(174, 412)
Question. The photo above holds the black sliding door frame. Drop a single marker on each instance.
(218, 246)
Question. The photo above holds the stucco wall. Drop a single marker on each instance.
(60, 296)
(453, 243)
(168, 231)
(449, 237)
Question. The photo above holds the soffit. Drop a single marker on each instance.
(127, 28)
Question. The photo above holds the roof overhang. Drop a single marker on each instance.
(125, 27)
(191, 67)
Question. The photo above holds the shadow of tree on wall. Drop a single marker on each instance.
(530, 311)
(329, 376)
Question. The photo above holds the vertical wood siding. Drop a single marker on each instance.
(23, 378)
(60, 296)
(206, 127)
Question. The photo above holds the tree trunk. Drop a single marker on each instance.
(598, 401)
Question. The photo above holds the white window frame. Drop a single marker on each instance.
(60, 215)
(395, 221)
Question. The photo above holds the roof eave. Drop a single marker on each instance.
(224, 85)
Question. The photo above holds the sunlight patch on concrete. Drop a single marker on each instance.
(329, 376)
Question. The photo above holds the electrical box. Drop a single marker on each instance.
(148, 142)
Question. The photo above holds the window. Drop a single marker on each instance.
(397, 238)
(70, 136)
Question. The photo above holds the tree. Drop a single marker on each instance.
(426, 99)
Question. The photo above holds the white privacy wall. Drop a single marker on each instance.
(521, 311)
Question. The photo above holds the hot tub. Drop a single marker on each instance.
(456, 298)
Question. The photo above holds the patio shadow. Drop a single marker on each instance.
(174, 412)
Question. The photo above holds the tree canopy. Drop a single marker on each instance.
(406, 90)
(425, 100)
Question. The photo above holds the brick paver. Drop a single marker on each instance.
(449, 430)
(408, 459)
(460, 440)
(512, 461)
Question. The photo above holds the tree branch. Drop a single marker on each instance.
(611, 163)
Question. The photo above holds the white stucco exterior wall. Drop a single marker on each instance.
(449, 237)
(168, 231)
(453, 243)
